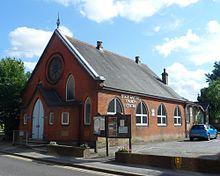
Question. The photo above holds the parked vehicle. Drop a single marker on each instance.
(203, 131)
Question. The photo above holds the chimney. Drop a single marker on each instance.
(137, 59)
(165, 77)
(99, 45)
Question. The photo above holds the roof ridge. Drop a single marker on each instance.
(105, 50)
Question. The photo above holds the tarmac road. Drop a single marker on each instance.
(17, 166)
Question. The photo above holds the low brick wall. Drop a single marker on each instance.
(183, 163)
(68, 150)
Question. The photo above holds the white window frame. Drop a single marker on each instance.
(70, 77)
(178, 118)
(115, 106)
(162, 116)
(51, 118)
(25, 119)
(142, 115)
(62, 118)
(88, 100)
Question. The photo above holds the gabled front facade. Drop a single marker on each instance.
(74, 81)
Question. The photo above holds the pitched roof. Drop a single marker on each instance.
(119, 72)
(52, 99)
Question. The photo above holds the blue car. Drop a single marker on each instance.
(203, 131)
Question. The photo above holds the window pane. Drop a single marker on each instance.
(175, 120)
(175, 112)
(179, 112)
(51, 118)
(159, 110)
(138, 119)
(118, 106)
(164, 120)
(158, 120)
(111, 106)
(65, 118)
(138, 110)
(144, 109)
(179, 120)
(25, 119)
(144, 119)
(70, 88)
(163, 110)
(88, 111)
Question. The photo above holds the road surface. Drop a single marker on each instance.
(17, 166)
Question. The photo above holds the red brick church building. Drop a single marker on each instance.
(74, 81)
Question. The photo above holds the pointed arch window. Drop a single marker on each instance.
(177, 116)
(70, 88)
(87, 111)
(141, 115)
(114, 107)
(161, 116)
(25, 119)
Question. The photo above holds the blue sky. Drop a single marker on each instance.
(182, 36)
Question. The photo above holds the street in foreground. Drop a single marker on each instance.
(17, 166)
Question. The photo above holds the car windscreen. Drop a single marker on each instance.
(198, 127)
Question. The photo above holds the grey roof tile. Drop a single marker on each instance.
(124, 74)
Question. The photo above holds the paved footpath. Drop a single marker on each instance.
(104, 164)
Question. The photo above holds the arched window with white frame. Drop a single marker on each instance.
(87, 111)
(114, 107)
(161, 116)
(70, 88)
(177, 117)
(141, 115)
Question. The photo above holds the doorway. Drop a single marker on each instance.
(38, 120)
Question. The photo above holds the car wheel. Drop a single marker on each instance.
(216, 136)
(208, 137)
(191, 139)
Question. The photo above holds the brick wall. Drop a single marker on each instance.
(85, 87)
(152, 131)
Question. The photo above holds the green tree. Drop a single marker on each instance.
(215, 73)
(211, 94)
(12, 82)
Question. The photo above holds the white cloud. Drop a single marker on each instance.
(66, 31)
(213, 27)
(198, 49)
(134, 10)
(186, 83)
(29, 65)
(157, 29)
(137, 10)
(207, 50)
(29, 42)
(182, 42)
(99, 10)
(182, 3)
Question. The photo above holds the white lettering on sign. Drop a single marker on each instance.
(131, 101)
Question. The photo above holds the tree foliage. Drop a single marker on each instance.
(211, 94)
(12, 82)
(215, 73)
